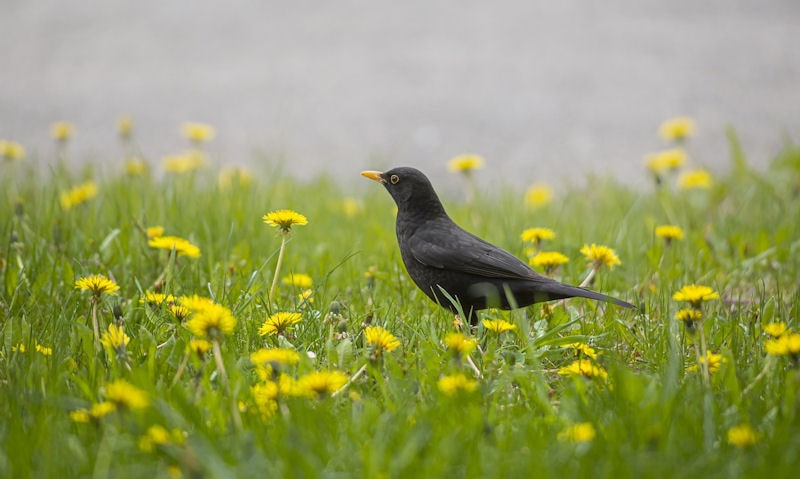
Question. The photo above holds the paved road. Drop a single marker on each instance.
(544, 90)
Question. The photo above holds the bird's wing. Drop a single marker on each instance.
(452, 248)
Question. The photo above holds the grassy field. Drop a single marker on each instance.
(178, 386)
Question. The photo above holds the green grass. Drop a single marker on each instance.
(652, 418)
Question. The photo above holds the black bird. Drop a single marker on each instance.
(440, 255)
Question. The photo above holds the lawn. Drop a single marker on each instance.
(187, 356)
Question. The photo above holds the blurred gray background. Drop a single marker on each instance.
(545, 91)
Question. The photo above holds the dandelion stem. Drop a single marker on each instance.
(704, 355)
(181, 368)
(122, 356)
(237, 419)
(220, 364)
(277, 268)
(588, 278)
(353, 378)
(586, 281)
(105, 454)
(171, 258)
(470, 189)
(160, 278)
(474, 367)
(708, 404)
(759, 377)
(95, 324)
(708, 419)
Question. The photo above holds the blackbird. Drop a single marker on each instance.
(440, 255)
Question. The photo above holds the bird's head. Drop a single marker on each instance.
(410, 189)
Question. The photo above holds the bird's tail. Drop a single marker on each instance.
(562, 291)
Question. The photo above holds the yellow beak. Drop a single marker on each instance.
(373, 175)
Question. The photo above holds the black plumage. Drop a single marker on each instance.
(438, 254)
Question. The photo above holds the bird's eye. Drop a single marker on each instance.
(394, 179)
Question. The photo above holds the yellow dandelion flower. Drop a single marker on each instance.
(380, 339)
(135, 167)
(199, 346)
(271, 371)
(306, 296)
(80, 416)
(196, 303)
(125, 395)
(266, 394)
(177, 164)
(150, 297)
(103, 408)
(536, 235)
(322, 383)
(665, 161)
(713, 360)
(78, 195)
(265, 398)
(583, 367)
(581, 432)
(185, 162)
(97, 284)
(18, 348)
(11, 150)
(154, 232)
(776, 330)
(372, 274)
(742, 435)
(284, 219)
(787, 344)
(583, 349)
(156, 436)
(125, 127)
(460, 344)
(695, 179)
(289, 386)
(179, 311)
(279, 323)
(61, 130)
(234, 176)
(212, 322)
(599, 255)
(689, 315)
(465, 163)
(179, 245)
(174, 472)
(695, 294)
(115, 338)
(498, 325)
(44, 350)
(351, 207)
(298, 280)
(454, 384)
(669, 232)
(677, 129)
(538, 195)
(198, 132)
(282, 356)
(549, 260)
